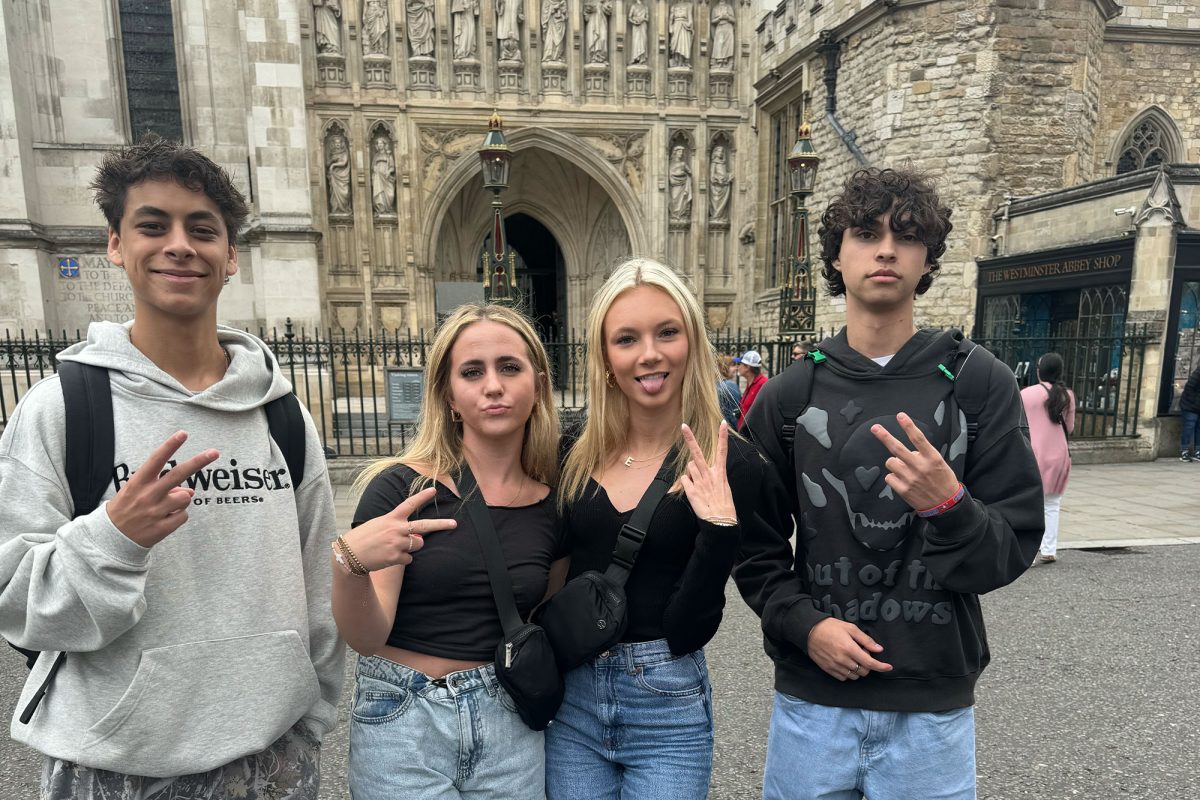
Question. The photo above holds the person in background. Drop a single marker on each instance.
(728, 394)
(802, 348)
(1189, 410)
(1050, 409)
(750, 368)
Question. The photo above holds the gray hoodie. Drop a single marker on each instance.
(206, 647)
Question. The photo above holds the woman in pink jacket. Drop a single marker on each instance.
(1050, 408)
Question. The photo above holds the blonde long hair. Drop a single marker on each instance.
(437, 446)
(607, 427)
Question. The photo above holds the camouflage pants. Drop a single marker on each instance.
(287, 770)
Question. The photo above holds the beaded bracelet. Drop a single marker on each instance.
(345, 555)
(946, 505)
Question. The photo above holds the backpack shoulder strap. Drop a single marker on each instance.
(970, 375)
(795, 398)
(287, 429)
(91, 444)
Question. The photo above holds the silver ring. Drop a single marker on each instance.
(852, 671)
(411, 541)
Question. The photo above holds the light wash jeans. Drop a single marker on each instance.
(819, 752)
(1051, 506)
(636, 724)
(457, 737)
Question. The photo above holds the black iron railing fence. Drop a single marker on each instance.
(341, 375)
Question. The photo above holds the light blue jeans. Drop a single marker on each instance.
(636, 724)
(819, 752)
(458, 737)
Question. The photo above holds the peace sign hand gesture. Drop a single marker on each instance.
(921, 477)
(390, 539)
(153, 503)
(707, 488)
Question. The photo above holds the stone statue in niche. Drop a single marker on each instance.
(337, 172)
(375, 28)
(420, 27)
(680, 30)
(383, 176)
(509, 16)
(639, 17)
(595, 16)
(719, 179)
(679, 177)
(723, 19)
(327, 23)
(554, 30)
(463, 14)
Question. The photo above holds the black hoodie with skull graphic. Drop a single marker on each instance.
(862, 554)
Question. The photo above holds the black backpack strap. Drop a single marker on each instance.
(794, 400)
(493, 556)
(970, 382)
(88, 462)
(91, 444)
(633, 533)
(287, 429)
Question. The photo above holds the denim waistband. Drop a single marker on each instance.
(454, 683)
(634, 653)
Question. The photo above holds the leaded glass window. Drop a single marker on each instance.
(1145, 147)
(151, 76)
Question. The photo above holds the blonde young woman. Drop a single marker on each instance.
(430, 720)
(637, 719)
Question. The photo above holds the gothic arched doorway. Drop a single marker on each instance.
(541, 273)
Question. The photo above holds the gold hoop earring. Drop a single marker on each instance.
(608, 380)
(455, 416)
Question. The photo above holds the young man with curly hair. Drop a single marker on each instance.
(186, 643)
(915, 490)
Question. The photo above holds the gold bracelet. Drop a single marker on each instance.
(356, 566)
(723, 522)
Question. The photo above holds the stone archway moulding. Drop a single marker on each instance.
(566, 146)
(1178, 152)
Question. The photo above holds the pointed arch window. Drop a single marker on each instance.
(1148, 145)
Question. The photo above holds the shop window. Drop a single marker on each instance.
(151, 75)
(1187, 342)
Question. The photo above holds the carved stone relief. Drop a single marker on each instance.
(624, 151)
(441, 146)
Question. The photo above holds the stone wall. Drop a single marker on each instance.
(1174, 14)
(1140, 75)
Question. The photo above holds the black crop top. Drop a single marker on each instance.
(446, 606)
(676, 589)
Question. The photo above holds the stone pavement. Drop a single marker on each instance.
(1106, 505)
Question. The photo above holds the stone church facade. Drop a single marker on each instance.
(1065, 136)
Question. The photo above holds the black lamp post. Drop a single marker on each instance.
(499, 278)
(797, 297)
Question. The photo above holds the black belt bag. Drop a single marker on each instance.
(525, 663)
(589, 615)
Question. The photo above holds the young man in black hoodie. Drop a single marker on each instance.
(909, 504)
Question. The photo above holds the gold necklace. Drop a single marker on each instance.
(630, 460)
(520, 491)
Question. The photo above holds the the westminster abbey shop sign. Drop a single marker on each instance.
(1090, 264)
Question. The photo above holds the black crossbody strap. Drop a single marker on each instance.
(493, 556)
(633, 533)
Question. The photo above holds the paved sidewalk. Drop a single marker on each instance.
(1106, 505)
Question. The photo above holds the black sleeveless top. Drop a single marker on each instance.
(446, 606)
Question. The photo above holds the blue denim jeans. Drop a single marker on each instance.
(1188, 433)
(819, 752)
(636, 724)
(458, 737)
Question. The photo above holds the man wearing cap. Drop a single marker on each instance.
(750, 368)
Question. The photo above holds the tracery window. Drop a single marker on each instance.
(1146, 146)
(151, 74)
